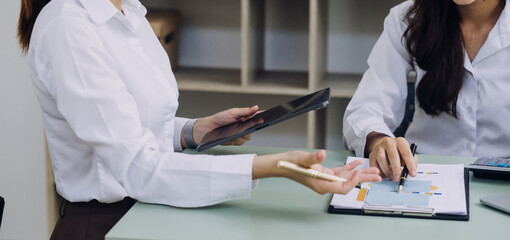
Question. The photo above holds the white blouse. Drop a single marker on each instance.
(483, 106)
(109, 98)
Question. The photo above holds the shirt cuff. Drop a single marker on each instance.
(231, 178)
(380, 128)
(178, 125)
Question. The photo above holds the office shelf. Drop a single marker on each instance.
(276, 47)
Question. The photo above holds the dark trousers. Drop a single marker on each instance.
(88, 220)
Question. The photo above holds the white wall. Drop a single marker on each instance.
(353, 28)
(22, 151)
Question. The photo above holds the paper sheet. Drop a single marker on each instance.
(436, 186)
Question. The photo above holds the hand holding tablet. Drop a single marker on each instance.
(263, 119)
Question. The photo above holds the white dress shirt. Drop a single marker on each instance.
(483, 106)
(109, 98)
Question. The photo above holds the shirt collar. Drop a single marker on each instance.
(102, 10)
(135, 7)
(99, 10)
(134, 11)
(505, 24)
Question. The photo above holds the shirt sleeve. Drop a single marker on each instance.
(95, 102)
(379, 102)
(178, 126)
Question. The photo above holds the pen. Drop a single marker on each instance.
(311, 172)
(405, 172)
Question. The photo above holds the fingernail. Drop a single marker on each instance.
(414, 173)
(396, 177)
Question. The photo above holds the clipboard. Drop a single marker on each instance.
(406, 212)
(2, 202)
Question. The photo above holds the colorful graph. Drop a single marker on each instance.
(414, 193)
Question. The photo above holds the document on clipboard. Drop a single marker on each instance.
(438, 191)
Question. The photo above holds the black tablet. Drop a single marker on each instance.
(314, 101)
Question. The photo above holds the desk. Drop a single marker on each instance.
(282, 209)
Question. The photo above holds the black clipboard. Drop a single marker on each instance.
(425, 215)
(2, 202)
(310, 102)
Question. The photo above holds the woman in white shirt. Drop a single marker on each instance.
(109, 99)
(460, 52)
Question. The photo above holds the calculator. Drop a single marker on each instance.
(490, 167)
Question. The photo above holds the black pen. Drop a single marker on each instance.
(405, 172)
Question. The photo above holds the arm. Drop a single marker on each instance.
(96, 104)
(265, 166)
(379, 102)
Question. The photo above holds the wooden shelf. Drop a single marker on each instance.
(210, 80)
(228, 81)
(282, 83)
(276, 47)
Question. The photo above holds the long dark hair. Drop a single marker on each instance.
(434, 39)
(30, 9)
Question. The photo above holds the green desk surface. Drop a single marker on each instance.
(282, 209)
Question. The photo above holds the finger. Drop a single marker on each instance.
(347, 174)
(227, 143)
(352, 165)
(347, 167)
(382, 161)
(372, 170)
(238, 141)
(415, 169)
(351, 183)
(247, 137)
(373, 161)
(307, 159)
(407, 156)
(243, 112)
(369, 178)
(394, 160)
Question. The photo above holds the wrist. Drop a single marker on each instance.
(187, 134)
(265, 166)
(201, 128)
(373, 139)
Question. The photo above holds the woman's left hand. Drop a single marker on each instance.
(207, 124)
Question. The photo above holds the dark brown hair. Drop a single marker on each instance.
(433, 37)
(30, 9)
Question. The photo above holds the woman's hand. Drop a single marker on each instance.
(207, 124)
(389, 154)
(265, 166)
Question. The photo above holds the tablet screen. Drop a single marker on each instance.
(265, 118)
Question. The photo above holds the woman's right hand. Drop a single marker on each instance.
(265, 166)
(389, 154)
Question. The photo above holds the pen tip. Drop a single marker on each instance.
(399, 188)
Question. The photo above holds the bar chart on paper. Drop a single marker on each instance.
(415, 193)
(438, 187)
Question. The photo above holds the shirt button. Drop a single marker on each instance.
(470, 109)
(468, 146)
